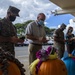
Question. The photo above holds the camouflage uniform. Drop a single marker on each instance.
(59, 45)
(7, 30)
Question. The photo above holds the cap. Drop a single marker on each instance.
(63, 24)
(14, 10)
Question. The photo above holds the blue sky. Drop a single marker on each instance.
(30, 9)
(54, 21)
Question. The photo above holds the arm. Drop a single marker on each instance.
(57, 38)
(31, 37)
(4, 39)
(29, 34)
(13, 39)
(40, 39)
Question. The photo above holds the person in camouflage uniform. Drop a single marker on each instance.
(8, 35)
(59, 40)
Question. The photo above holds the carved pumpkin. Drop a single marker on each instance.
(12, 69)
(70, 63)
(52, 67)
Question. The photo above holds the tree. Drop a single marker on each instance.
(49, 31)
(22, 26)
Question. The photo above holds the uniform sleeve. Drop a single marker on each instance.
(28, 29)
(15, 30)
(55, 33)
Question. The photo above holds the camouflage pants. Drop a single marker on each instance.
(60, 49)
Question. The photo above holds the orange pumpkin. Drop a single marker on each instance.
(9, 65)
(12, 69)
(53, 67)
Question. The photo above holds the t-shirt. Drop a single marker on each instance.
(35, 30)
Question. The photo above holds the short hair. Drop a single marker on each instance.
(70, 27)
(41, 14)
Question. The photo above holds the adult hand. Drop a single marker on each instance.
(14, 39)
(72, 39)
(42, 39)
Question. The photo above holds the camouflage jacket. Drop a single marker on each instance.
(7, 29)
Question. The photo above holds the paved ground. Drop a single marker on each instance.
(22, 55)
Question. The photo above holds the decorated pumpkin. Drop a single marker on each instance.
(52, 67)
(47, 63)
(9, 65)
(70, 63)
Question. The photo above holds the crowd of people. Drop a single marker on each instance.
(36, 34)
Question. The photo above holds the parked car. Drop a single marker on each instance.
(50, 42)
(26, 43)
(19, 44)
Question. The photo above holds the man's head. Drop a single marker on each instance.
(12, 12)
(41, 18)
(63, 26)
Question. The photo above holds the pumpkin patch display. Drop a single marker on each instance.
(70, 63)
(9, 65)
(47, 63)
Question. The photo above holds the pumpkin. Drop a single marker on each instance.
(70, 63)
(9, 65)
(47, 63)
(12, 69)
(52, 67)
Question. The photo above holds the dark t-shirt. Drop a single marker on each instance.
(70, 44)
(69, 37)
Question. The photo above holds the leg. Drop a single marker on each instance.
(32, 52)
(61, 50)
